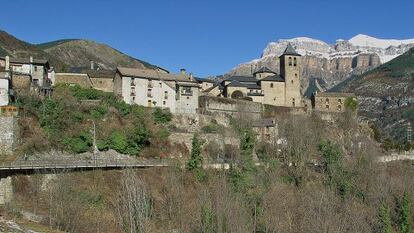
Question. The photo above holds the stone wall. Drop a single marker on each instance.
(8, 127)
(6, 190)
(213, 105)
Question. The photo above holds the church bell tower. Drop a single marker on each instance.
(290, 63)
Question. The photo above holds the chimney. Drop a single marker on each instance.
(7, 68)
(183, 71)
(92, 65)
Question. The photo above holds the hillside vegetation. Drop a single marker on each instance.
(325, 179)
(386, 96)
(65, 120)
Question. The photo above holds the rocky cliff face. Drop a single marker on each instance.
(386, 96)
(330, 63)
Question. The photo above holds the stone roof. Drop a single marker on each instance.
(250, 79)
(27, 61)
(290, 51)
(200, 80)
(264, 70)
(273, 78)
(153, 74)
(235, 83)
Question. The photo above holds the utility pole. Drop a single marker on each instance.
(95, 148)
(409, 133)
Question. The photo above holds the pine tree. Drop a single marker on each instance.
(384, 219)
(404, 224)
(196, 160)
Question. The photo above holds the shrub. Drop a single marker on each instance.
(161, 116)
(80, 143)
(351, 104)
(211, 128)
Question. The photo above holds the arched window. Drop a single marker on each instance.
(271, 85)
(291, 81)
(295, 61)
(290, 61)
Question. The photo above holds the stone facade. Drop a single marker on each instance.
(290, 70)
(4, 89)
(6, 190)
(102, 80)
(214, 105)
(330, 101)
(37, 69)
(7, 134)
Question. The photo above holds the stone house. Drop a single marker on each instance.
(80, 79)
(35, 69)
(151, 88)
(266, 130)
(266, 86)
(330, 101)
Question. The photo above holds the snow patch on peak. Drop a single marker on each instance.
(369, 41)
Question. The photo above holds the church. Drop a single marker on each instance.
(266, 86)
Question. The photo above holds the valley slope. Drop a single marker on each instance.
(386, 95)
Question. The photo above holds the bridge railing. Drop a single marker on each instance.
(82, 163)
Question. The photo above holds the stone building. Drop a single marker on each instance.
(80, 79)
(266, 86)
(151, 88)
(34, 69)
(330, 101)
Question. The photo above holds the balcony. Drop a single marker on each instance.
(133, 94)
(149, 95)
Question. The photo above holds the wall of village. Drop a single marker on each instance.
(212, 105)
(103, 84)
(8, 131)
(6, 190)
(72, 78)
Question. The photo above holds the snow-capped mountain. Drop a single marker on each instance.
(331, 63)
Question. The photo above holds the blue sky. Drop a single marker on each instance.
(205, 37)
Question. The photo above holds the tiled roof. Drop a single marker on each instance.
(273, 78)
(242, 79)
(264, 70)
(106, 74)
(27, 61)
(153, 74)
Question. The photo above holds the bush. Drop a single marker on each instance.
(80, 143)
(351, 104)
(211, 128)
(161, 116)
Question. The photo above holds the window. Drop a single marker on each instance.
(188, 97)
(133, 98)
(149, 93)
(339, 107)
(149, 83)
(290, 61)
(164, 102)
(35, 68)
(327, 106)
(271, 85)
(291, 81)
(339, 101)
(295, 61)
(165, 94)
(327, 100)
(296, 75)
(293, 102)
(132, 82)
